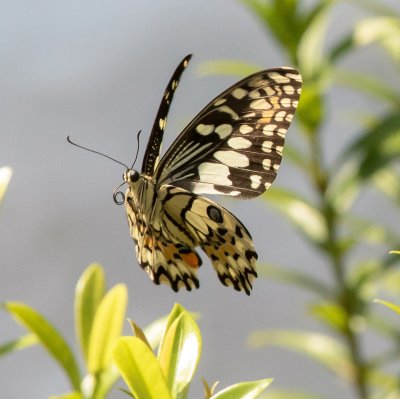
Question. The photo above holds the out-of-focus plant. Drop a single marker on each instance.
(99, 318)
(5, 176)
(328, 219)
(168, 374)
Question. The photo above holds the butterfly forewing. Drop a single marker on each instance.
(153, 149)
(234, 145)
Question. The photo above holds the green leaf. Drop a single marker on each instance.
(139, 332)
(344, 187)
(97, 386)
(227, 68)
(5, 176)
(107, 327)
(392, 306)
(88, 294)
(70, 395)
(140, 369)
(382, 29)
(311, 110)
(322, 348)
(179, 352)
(304, 216)
(379, 146)
(331, 314)
(209, 391)
(49, 337)
(244, 390)
(367, 84)
(295, 277)
(155, 330)
(283, 394)
(18, 344)
(276, 16)
(176, 312)
(388, 182)
(310, 50)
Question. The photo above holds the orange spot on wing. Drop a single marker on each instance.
(191, 259)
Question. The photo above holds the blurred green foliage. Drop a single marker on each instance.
(99, 318)
(328, 219)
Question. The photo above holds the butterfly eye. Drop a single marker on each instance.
(133, 176)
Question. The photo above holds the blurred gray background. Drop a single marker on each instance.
(96, 70)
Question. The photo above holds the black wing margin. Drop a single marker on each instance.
(152, 153)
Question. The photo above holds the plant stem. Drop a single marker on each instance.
(346, 299)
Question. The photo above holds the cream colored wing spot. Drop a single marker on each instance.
(223, 130)
(239, 143)
(244, 129)
(204, 130)
(239, 93)
(214, 173)
(232, 158)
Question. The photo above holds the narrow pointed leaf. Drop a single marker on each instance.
(88, 294)
(175, 313)
(379, 146)
(310, 49)
(283, 394)
(18, 344)
(107, 327)
(70, 395)
(392, 306)
(140, 369)
(367, 84)
(243, 390)
(5, 176)
(48, 336)
(304, 216)
(180, 353)
(139, 333)
(322, 348)
(209, 391)
(331, 314)
(382, 29)
(297, 278)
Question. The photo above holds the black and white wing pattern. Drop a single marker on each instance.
(232, 147)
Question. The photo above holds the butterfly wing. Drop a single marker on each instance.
(198, 221)
(152, 153)
(234, 145)
(166, 259)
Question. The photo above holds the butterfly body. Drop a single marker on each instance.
(232, 147)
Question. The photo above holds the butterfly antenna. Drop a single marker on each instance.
(96, 152)
(120, 194)
(138, 146)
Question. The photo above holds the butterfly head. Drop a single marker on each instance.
(131, 177)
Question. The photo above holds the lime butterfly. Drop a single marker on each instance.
(232, 147)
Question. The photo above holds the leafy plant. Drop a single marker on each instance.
(328, 218)
(99, 318)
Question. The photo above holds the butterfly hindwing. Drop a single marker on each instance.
(165, 259)
(234, 145)
(199, 221)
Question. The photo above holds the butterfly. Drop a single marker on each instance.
(233, 147)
